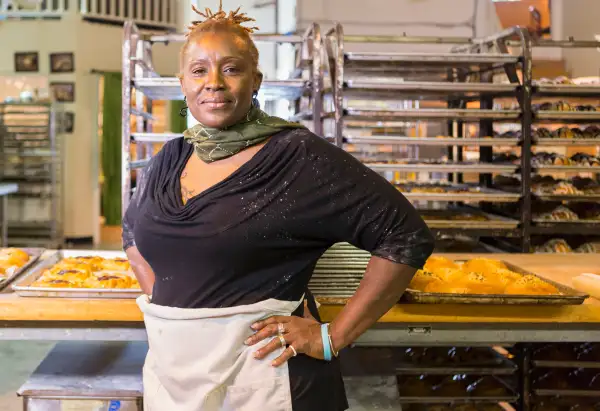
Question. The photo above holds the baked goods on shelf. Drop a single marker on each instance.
(589, 132)
(560, 213)
(477, 276)
(561, 80)
(462, 216)
(553, 159)
(89, 272)
(11, 260)
(587, 185)
(589, 248)
(556, 245)
(562, 106)
(506, 158)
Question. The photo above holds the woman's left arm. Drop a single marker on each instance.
(347, 202)
(383, 284)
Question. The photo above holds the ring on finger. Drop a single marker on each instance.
(282, 340)
(281, 328)
(294, 350)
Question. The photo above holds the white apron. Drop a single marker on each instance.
(197, 359)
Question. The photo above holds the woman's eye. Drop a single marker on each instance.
(199, 71)
(231, 70)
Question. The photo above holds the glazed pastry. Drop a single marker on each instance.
(542, 132)
(422, 279)
(560, 213)
(555, 246)
(564, 132)
(478, 283)
(116, 264)
(592, 131)
(108, 281)
(53, 283)
(589, 248)
(531, 285)
(483, 265)
(73, 275)
(436, 262)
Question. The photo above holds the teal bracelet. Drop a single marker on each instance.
(325, 339)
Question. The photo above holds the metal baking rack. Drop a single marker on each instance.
(31, 156)
(141, 80)
(401, 89)
(566, 92)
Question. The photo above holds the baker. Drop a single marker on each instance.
(224, 231)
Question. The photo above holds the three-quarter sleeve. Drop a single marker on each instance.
(135, 205)
(354, 204)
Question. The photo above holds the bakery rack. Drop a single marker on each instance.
(31, 157)
(586, 93)
(374, 90)
(142, 84)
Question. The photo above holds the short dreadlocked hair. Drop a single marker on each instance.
(221, 21)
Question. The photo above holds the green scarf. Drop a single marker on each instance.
(212, 144)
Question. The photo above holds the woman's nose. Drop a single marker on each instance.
(215, 81)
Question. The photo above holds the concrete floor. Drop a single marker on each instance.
(17, 360)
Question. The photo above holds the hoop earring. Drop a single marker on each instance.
(255, 101)
(183, 110)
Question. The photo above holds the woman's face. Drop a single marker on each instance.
(218, 79)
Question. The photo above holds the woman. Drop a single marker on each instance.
(224, 232)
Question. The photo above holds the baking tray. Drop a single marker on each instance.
(545, 223)
(569, 295)
(566, 197)
(24, 288)
(453, 194)
(567, 116)
(566, 393)
(553, 142)
(566, 364)
(492, 222)
(34, 255)
(572, 90)
(448, 167)
(431, 141)
(567, 169)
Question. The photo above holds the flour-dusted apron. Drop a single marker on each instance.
(197, 359)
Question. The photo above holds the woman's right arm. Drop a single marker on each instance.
(141, 269)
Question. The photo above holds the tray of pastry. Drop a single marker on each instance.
(15, 261)
(424, 360)
(458, 388)
(436, 165)
(458, 192)
(576, 136)
(576, 213)
(80, 274)
(580, 382)
(567, 355)
(466, 218)
(485, 281)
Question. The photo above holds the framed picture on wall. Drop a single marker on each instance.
(62, 63)
(27, 62)
(63, 92)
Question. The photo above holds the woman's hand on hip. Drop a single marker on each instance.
(301, 335)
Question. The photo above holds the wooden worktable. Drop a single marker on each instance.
(560, 268)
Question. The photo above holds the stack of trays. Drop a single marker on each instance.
(566, 377)
(440, 378)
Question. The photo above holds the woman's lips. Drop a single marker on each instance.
(216, 103)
